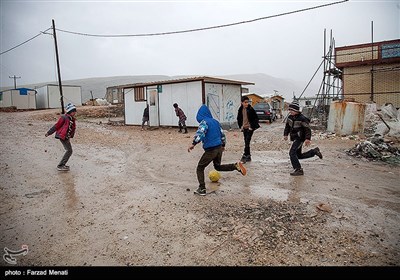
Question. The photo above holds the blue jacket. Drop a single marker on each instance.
(209, 131)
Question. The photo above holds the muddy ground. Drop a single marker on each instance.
(128, 200)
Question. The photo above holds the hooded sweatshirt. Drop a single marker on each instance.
(209, 131)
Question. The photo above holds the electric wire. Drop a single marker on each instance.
(203, 28)
(41, 33)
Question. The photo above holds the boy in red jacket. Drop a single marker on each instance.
(65, 130)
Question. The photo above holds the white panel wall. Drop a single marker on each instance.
(223, 101)
(213, 99)
(14, 98)
(195, 100)
(189, 98)
(53, 95)
(231, 95)
(27, 101)
(133, 110)
(42, 101)
(70, 94)
(6, 99)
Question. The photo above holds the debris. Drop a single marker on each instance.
(324, 207)
(375, 148)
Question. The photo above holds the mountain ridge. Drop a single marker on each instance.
(264, 85)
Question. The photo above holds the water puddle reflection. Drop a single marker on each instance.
(271, 193)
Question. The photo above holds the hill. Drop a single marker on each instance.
(264, 84)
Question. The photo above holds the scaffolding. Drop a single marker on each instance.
(331, 85)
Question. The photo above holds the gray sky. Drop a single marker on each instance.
(289, 47)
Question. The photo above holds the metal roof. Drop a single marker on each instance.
(205, 79)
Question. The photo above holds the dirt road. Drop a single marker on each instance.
(128, 200)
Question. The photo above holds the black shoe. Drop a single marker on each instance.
(297, 172)
(243, 159)
(200, 191)
(248, 158)
(318, 152)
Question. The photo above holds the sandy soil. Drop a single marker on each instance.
(128, 200)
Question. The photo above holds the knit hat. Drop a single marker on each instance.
(294, 106)
(70, 108)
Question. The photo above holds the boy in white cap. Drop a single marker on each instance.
(298, 127)
(65, 130)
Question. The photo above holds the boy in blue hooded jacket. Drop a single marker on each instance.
(212, 135)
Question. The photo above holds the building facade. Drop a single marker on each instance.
(222, 96)
(370, 72)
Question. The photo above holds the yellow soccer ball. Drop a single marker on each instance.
(214, 175)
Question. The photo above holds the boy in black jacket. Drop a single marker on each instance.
(248, 122)
(297, 126)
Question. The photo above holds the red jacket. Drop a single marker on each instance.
(61, 127)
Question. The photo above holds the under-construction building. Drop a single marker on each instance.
(370, 72)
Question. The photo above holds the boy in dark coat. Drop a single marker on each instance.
(213, 137)
(248, 122)
(65, 130)
(298, 127)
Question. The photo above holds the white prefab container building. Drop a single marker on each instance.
(48, 96)
(21, 98)
(222, 96)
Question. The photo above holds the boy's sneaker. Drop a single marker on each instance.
(63, 168)
(248, 158)
(200, 191)
(318, 152)
(297, 172)
(244, 159)
(240, 168)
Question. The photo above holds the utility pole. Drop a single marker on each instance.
(15, 80)
(58, 68)
(372, 61)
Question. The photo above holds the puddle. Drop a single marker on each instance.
(270, 160)
(271, 193)
(270, 157)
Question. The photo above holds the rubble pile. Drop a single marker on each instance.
(283, 233)
(376, 148)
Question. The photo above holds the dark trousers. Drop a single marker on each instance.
(182, 124)
(145, 120)
(295, 153)
(68, 151)
(247, 134)
(215, 156)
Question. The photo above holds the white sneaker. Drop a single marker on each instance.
(63, 168)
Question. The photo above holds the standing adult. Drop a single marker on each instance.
(182, 118)
(145, 116)
(248, 122)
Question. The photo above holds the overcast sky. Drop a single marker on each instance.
(289, 46)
